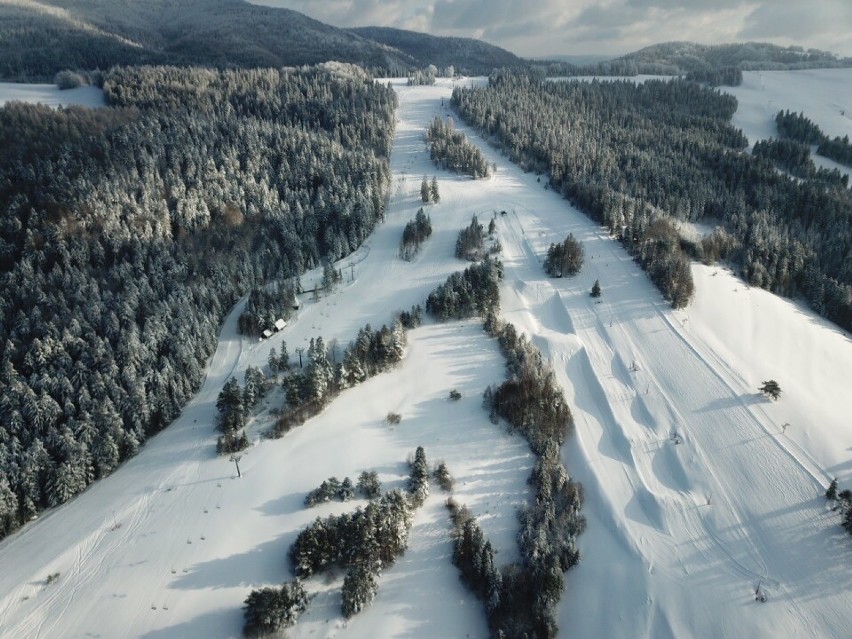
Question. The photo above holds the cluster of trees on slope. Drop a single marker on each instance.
(414, 234)
(364, 543)
(532, 402)
(427, 75)
(565, 258)
(520, 599)
(795, 158)
(310, 389)
(449, 149)
(795, 126)
(128, 232)
(471, 293)
(269, 609)
(234, 404)
(471, 241)
(843, 502)
(331, 488)
(429, 190)
(633, 156)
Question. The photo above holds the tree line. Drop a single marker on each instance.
(795, 126)
(471, 293)
(129, 231)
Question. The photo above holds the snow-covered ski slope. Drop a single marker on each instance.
(50, 95)
(679, 535)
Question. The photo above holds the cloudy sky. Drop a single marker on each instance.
(555, 27)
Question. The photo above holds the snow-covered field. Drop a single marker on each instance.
(823, 95)
(679, 535)
(50, 95)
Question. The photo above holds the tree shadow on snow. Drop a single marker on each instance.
(264, 564)
(219, 623)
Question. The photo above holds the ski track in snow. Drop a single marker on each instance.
(679, 535)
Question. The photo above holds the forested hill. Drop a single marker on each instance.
(466, 55)
(127, 232)
(747, 56)
(715, 64)
(38, 39)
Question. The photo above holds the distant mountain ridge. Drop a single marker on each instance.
(715, 64)
(467, 55)
(40, 38)
(685, 57)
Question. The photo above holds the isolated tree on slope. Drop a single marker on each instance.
(272, 362)
(231, 408)
(831, 491)
(418, 480)
(425, 193)
(771, 389)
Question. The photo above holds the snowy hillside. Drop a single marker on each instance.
(50, 95)
(679, 534)
(823, 95)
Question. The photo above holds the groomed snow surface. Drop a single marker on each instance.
(679, 535)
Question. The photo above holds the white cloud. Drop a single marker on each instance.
(550, 27)
(826, 24)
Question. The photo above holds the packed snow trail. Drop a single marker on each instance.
(697, 525)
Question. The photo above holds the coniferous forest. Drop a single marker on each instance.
(450, 150)
(635, 157)
(128, 232)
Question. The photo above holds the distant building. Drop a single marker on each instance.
(279, 324)
(267, 334)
